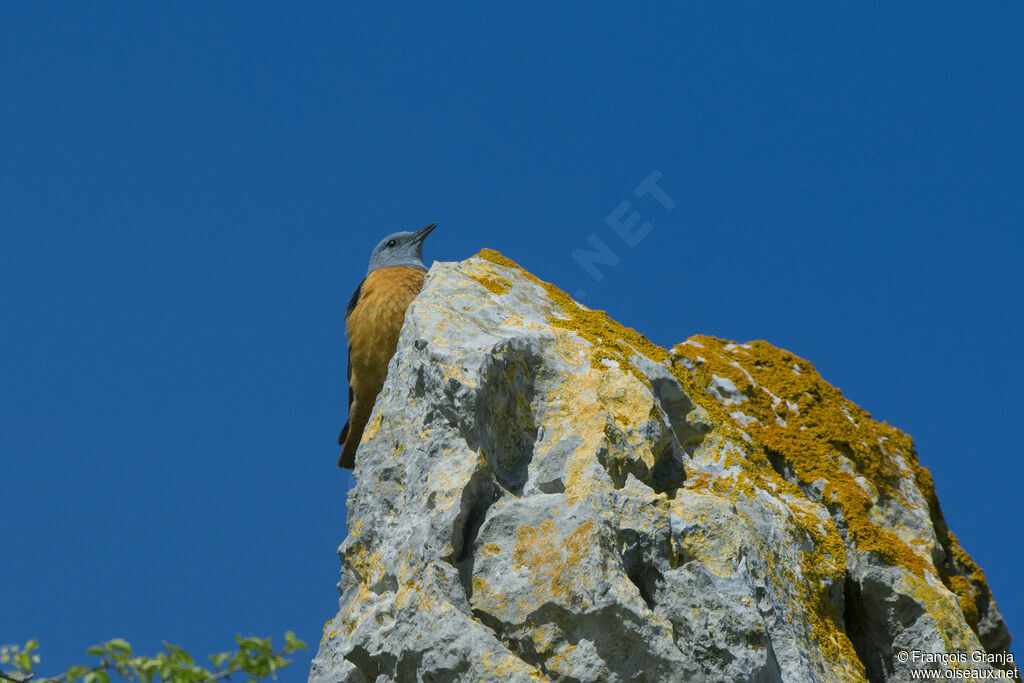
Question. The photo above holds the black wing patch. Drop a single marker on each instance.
(344, 430)
(353, 302)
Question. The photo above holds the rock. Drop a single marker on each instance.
(543, 494)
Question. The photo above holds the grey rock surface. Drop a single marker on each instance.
(542, 494)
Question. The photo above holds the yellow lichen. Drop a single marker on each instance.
(612, 340)
(369, 567)
(806, 424)
(615, 346)
(555, 566)
(508, 666)
(494, 284)
(371, 428)
(353, 614)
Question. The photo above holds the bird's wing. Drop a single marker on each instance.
(344, 430)
(353, 302)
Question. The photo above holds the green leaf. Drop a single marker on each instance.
(178, 653)
(255, 657)
(146, 669)
(293, 643)
(119, 645)
(23, 662)
(219, 659)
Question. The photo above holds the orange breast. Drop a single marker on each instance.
(374, 324)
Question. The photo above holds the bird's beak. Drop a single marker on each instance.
(421, 235)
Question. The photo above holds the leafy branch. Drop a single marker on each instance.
(255, 658)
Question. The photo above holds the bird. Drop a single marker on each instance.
(373, 319)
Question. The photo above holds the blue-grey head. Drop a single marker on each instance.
(400, 249)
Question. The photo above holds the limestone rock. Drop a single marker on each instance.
(543, 494)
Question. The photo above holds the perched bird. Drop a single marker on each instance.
(373, 320)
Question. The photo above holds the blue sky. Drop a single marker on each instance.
(189, 193)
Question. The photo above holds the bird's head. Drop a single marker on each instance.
(400, 249)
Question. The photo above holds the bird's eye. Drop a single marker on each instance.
(391, 243)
